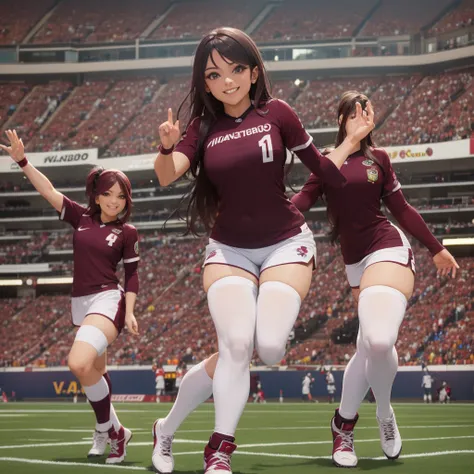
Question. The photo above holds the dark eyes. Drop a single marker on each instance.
(106, 194)
(237, 70)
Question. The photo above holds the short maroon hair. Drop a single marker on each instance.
(100, 180)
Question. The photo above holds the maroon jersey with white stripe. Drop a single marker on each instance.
(98, 248)
(356, 208)
(245, 159)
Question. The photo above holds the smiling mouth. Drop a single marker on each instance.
(231, 91)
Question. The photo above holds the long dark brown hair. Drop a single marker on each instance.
(345, 110)
(100, 180)
(234, 46)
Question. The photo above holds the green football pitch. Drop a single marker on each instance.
(286, 438)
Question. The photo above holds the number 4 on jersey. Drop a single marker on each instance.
(111, 238)
(267, 148)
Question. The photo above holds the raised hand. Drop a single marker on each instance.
(16, 149)
(364, 121)
(169, 131)
(445, 263)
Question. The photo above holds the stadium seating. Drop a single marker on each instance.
(402, 17)
(193, 19)
(429, 112)
(93, 22)
(141, 134)
(121, 117)
(461, 17)
(37, 107)
(173, 316)
(17, 20)
(11, 94)
(298, 20)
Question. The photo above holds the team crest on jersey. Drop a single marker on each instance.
(116, 231)
(135, 247)
(372, 175)
(302, 251)
(367, 162)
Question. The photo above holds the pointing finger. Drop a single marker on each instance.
(170, 115)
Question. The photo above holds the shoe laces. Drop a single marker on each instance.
(114, 445)
(100, 438)
(388, 428)
(220, 459)
(165, 445)
(347, 440)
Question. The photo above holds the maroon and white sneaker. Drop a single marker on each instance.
(343, 453)
(217, 461)
(118, 445)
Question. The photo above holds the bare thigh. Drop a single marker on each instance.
(389, 274)
(296, 275)
(217, 271)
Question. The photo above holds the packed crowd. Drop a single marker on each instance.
(114, 21)
(174, 320)
(119, 116)
(461, 17)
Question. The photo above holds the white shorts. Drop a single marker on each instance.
(300, 248)
(331, 389)
(401, 255)
(110, 304)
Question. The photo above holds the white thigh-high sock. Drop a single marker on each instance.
(278, 305)
(195, 388)
(354, 384)
(381, 312)
(233, 307)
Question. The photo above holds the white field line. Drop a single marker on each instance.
(257, 445)
(60, 430)
(245, 453)
(379, 458)
(12, 415)
(144, 431)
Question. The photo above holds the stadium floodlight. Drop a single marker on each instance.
(460, 241)
(15, 282)
(54, 281)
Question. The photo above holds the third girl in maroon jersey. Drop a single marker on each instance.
(380, 269)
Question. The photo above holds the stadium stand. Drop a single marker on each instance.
(107, 21)
(16, 21)
(119, 116)
(296, 20)
(193, 19)
(402, 17)
(461, 17)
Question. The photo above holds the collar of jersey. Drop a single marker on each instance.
(98, 219)
(241, 117)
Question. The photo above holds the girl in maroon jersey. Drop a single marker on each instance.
(101, 308)
(261, 253)
(380, 269)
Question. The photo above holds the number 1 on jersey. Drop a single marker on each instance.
(111, 238)
(267, 148)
